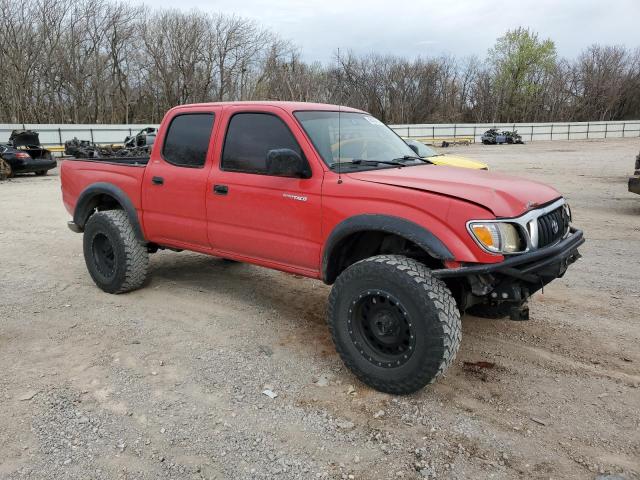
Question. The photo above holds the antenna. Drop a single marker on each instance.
(339, 127)
(339, 142)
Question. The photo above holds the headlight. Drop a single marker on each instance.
(497, 237)
(567, 212)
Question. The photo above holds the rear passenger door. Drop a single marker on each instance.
(274, 220)
(175, 181)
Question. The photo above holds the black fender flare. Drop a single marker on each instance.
(381, 223)
(87, 202)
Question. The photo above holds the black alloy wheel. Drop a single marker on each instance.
(379, 325)
(104, 255)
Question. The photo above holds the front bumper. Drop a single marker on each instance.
(536, 268)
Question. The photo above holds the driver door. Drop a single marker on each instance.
(272, 220)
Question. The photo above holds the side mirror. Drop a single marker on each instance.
(414, 148)
(284, 162)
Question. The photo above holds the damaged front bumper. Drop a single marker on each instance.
(518, 277)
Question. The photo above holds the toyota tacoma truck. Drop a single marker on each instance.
(329, 193)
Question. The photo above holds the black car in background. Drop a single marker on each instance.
(24, 154)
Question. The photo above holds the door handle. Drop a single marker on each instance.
(220, 189)
(157, 180)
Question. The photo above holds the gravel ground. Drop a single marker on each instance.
(167, 381)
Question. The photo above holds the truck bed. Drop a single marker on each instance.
(126, 173)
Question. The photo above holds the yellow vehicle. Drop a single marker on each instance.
(372, 148)
(436, 158)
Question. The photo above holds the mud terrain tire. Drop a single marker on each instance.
(116, 260)
(395, 326)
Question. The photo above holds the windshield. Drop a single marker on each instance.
(423, 150)
(352, 137)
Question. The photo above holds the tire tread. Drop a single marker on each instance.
(136, 254)
(441, 298)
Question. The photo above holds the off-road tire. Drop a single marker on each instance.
(428, 305)
(130, 257)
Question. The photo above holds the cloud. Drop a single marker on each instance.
(433, 27)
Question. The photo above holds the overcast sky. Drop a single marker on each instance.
(431, 27)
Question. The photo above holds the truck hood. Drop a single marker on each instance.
(504, 195)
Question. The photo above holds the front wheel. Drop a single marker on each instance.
(396, 327)
(116, 260)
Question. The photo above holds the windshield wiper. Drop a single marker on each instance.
(360, 161)
(412, 157)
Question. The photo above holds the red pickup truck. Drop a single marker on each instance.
(330, 193)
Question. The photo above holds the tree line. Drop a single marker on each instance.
(94, 61)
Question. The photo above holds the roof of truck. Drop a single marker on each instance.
(288, 106)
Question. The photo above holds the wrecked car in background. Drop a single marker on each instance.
(138, 145)
(144, 138)
(494, 137)
(25, 154)
(634, 182)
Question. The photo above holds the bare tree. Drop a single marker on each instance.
(94, 61)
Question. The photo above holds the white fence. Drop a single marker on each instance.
(528, 131)
(55, 135)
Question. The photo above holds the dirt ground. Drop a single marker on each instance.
(167, 381)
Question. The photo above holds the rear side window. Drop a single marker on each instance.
(249, 138)
(187, 139)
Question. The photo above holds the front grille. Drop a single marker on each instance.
(552, 227)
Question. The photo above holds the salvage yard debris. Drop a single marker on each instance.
(138, 145)
(494, 137)
(24, 153)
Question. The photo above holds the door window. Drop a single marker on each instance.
(250, 137)
(187, 140)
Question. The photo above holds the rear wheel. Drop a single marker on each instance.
(41, 173)
(116, 260)
(395, 326)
